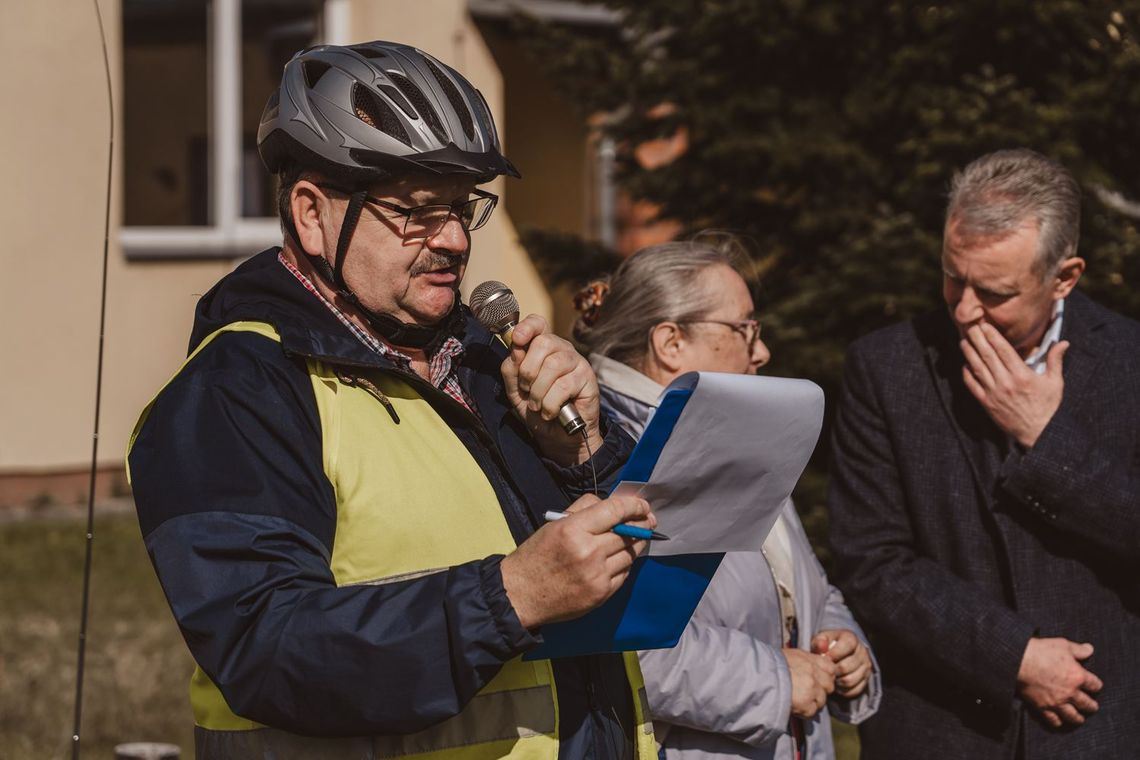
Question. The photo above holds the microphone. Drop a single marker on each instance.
(497, 309)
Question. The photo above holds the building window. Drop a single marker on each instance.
(196, 76)
(166, 107)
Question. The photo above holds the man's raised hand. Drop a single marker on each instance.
(542, 373)
(1017, 399)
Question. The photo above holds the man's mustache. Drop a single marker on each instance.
(435, 261)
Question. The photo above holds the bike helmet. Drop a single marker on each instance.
(360, 114)
(363, 112)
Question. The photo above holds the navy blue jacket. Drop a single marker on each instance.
(954, 546)
(239, 518)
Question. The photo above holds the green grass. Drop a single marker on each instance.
(138, 668)
(846, 741)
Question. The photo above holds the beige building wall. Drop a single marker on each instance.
(444, 29)
(52, 207)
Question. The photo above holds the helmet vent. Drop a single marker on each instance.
(487, 120)
(457, 102)
(420, 103)
(377, 114)
(369, 52)
(395, 96)
(314, 70)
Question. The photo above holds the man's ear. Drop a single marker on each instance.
(666, 343)
(307, 203)
(1068, 273)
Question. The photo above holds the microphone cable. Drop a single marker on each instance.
(83, 615)
(590, 459)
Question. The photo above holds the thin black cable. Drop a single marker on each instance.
(617, 750)
(590, 454)
(98, 398)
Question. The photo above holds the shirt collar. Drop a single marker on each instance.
(625, 380)
(1036, 360)
(451, 348)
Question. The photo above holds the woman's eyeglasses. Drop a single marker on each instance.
(749, 328)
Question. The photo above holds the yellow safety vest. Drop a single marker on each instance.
(388, 530)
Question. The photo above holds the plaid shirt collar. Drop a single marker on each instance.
(442, 363)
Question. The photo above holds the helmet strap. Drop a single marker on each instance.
(391, 329)
(347, 227)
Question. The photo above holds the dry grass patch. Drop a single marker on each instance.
(138, 668)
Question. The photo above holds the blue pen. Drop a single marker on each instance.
(629, 531)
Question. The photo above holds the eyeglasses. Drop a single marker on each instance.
(427, 221)
(749, 328)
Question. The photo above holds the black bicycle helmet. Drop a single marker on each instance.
(364, 113)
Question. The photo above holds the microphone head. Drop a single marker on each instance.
(494, 305)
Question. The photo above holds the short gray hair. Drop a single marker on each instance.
(657, 284)
(997, 193)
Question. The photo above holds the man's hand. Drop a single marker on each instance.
(813, 678)
(571, 566)
(853, 666)
(1052, 679)
(1018, 400)
(542, 373)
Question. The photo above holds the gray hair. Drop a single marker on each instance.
(657, 284)
(999, 192)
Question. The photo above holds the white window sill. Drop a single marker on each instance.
(240, 241)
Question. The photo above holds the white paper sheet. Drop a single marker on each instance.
(736, 452)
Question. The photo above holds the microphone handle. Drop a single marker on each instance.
(568, 416)
(570, 420)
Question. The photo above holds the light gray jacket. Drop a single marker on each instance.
(724, 691)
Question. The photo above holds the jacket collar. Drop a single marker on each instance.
(625, 380)
(260, 289)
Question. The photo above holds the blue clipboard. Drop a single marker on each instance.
(653, 606)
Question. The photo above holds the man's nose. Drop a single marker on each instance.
(452, 236)
(968, 309)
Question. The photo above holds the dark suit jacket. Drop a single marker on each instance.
(954, 546)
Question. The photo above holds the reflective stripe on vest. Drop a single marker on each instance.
(516, 714)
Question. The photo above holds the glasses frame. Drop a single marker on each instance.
(452, 209)
(744, 327)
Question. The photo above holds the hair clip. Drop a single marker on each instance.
(589, 299)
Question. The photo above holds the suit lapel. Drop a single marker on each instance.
(972, 428)
(1083, 328)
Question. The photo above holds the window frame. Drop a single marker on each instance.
(228, 235)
